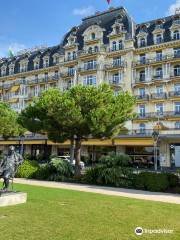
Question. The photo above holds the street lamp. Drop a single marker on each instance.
(155, 136)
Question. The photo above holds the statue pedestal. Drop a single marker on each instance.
(12, 198)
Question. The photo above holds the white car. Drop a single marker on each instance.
(67, 158)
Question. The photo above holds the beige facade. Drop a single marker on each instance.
(125, 61)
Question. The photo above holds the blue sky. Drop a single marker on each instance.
(25, 24)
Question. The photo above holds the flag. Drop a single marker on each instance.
(10, 53)
(108, 1)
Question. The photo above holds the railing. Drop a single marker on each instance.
(142, 97)
(156, 59)
(115, 65)
(157, 77)
(88, 68)
(140, 80)
(159, 115)
(158, 95)
(174, 94)
(69, 59)
(43, 80)
(116, 82)
(88, 52)
(116, 49)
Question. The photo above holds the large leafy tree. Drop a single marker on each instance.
(77, 114)
(9, 126)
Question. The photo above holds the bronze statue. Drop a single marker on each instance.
(9, 166)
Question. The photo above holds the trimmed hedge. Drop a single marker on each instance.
(156, 182)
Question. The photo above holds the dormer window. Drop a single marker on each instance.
(142, 42)
(176, 35)
(74, 55)
(93, 36)
(36, 65)
(3, 71)
(117, 29)
(159, 38)
(11, 70)
(46, 62)
(55, 59)
(69, 56)
(23, 66)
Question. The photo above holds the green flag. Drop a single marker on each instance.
(10, 53)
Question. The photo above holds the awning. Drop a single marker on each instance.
(14, 89)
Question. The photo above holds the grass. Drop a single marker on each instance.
(55, 214)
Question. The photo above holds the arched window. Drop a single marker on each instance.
(176, 35)
(142, 128)
(69, 56)
(142, 76)
(177, 70)
(117, 29)
(96, 49)
(159, 73)
(114, 46)
(120, 45)
(159, 39)
(93, 36)
(177, 125)
(90, 50)
(142, 42)
(74, 55)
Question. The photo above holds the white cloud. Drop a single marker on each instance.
(84, 11)
(14, 46)
(173, 7)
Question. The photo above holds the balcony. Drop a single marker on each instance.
(141, 80)
(174, 94)
(159, 115)
(83, 53)
(67, 74)
(85, 68)
(116, 49)
(115, 82)
(157, 77)
(158, 96)
(143, 97)
(115, 65)
(70, 59)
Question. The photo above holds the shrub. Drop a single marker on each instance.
(173, 180)
(28, 169)
(112, 170)
(155, 182)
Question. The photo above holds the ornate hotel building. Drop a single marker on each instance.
(108, 47)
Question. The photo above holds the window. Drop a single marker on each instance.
(96, 49)
(114, 46)
(117, 61)
(142, 128)
(176, 35)
(90, 50)
(11, 70)
(90, 65)
(142, 111)
(56, 74)
(116, 78)
(177, 89)
(46, 62)
(142, 42)
(46, 76)
(36, 65)
(142, 77)
(23, 67)
(159, 73)
(90, 80)
(142, 58)
(69, 56)
(93, 36)
(120, 45)
(74, 55)
(159, 91)
(71, 71)
(177, 125)
(159, 39)
(176, 52)
(117, 29)
(177, 70)
(177, 107)
(56, 60)
(142, 92)
(159, 56)
(159, 108)
(36, 78)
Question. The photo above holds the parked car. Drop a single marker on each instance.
(67, 158)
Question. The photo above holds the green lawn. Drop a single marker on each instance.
(52, 214)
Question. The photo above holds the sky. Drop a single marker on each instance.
(29, 23)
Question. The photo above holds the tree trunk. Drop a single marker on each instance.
(77, 157)
(72, 151)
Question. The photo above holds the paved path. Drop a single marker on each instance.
(137, 194)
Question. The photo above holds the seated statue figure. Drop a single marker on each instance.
(9, 166)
